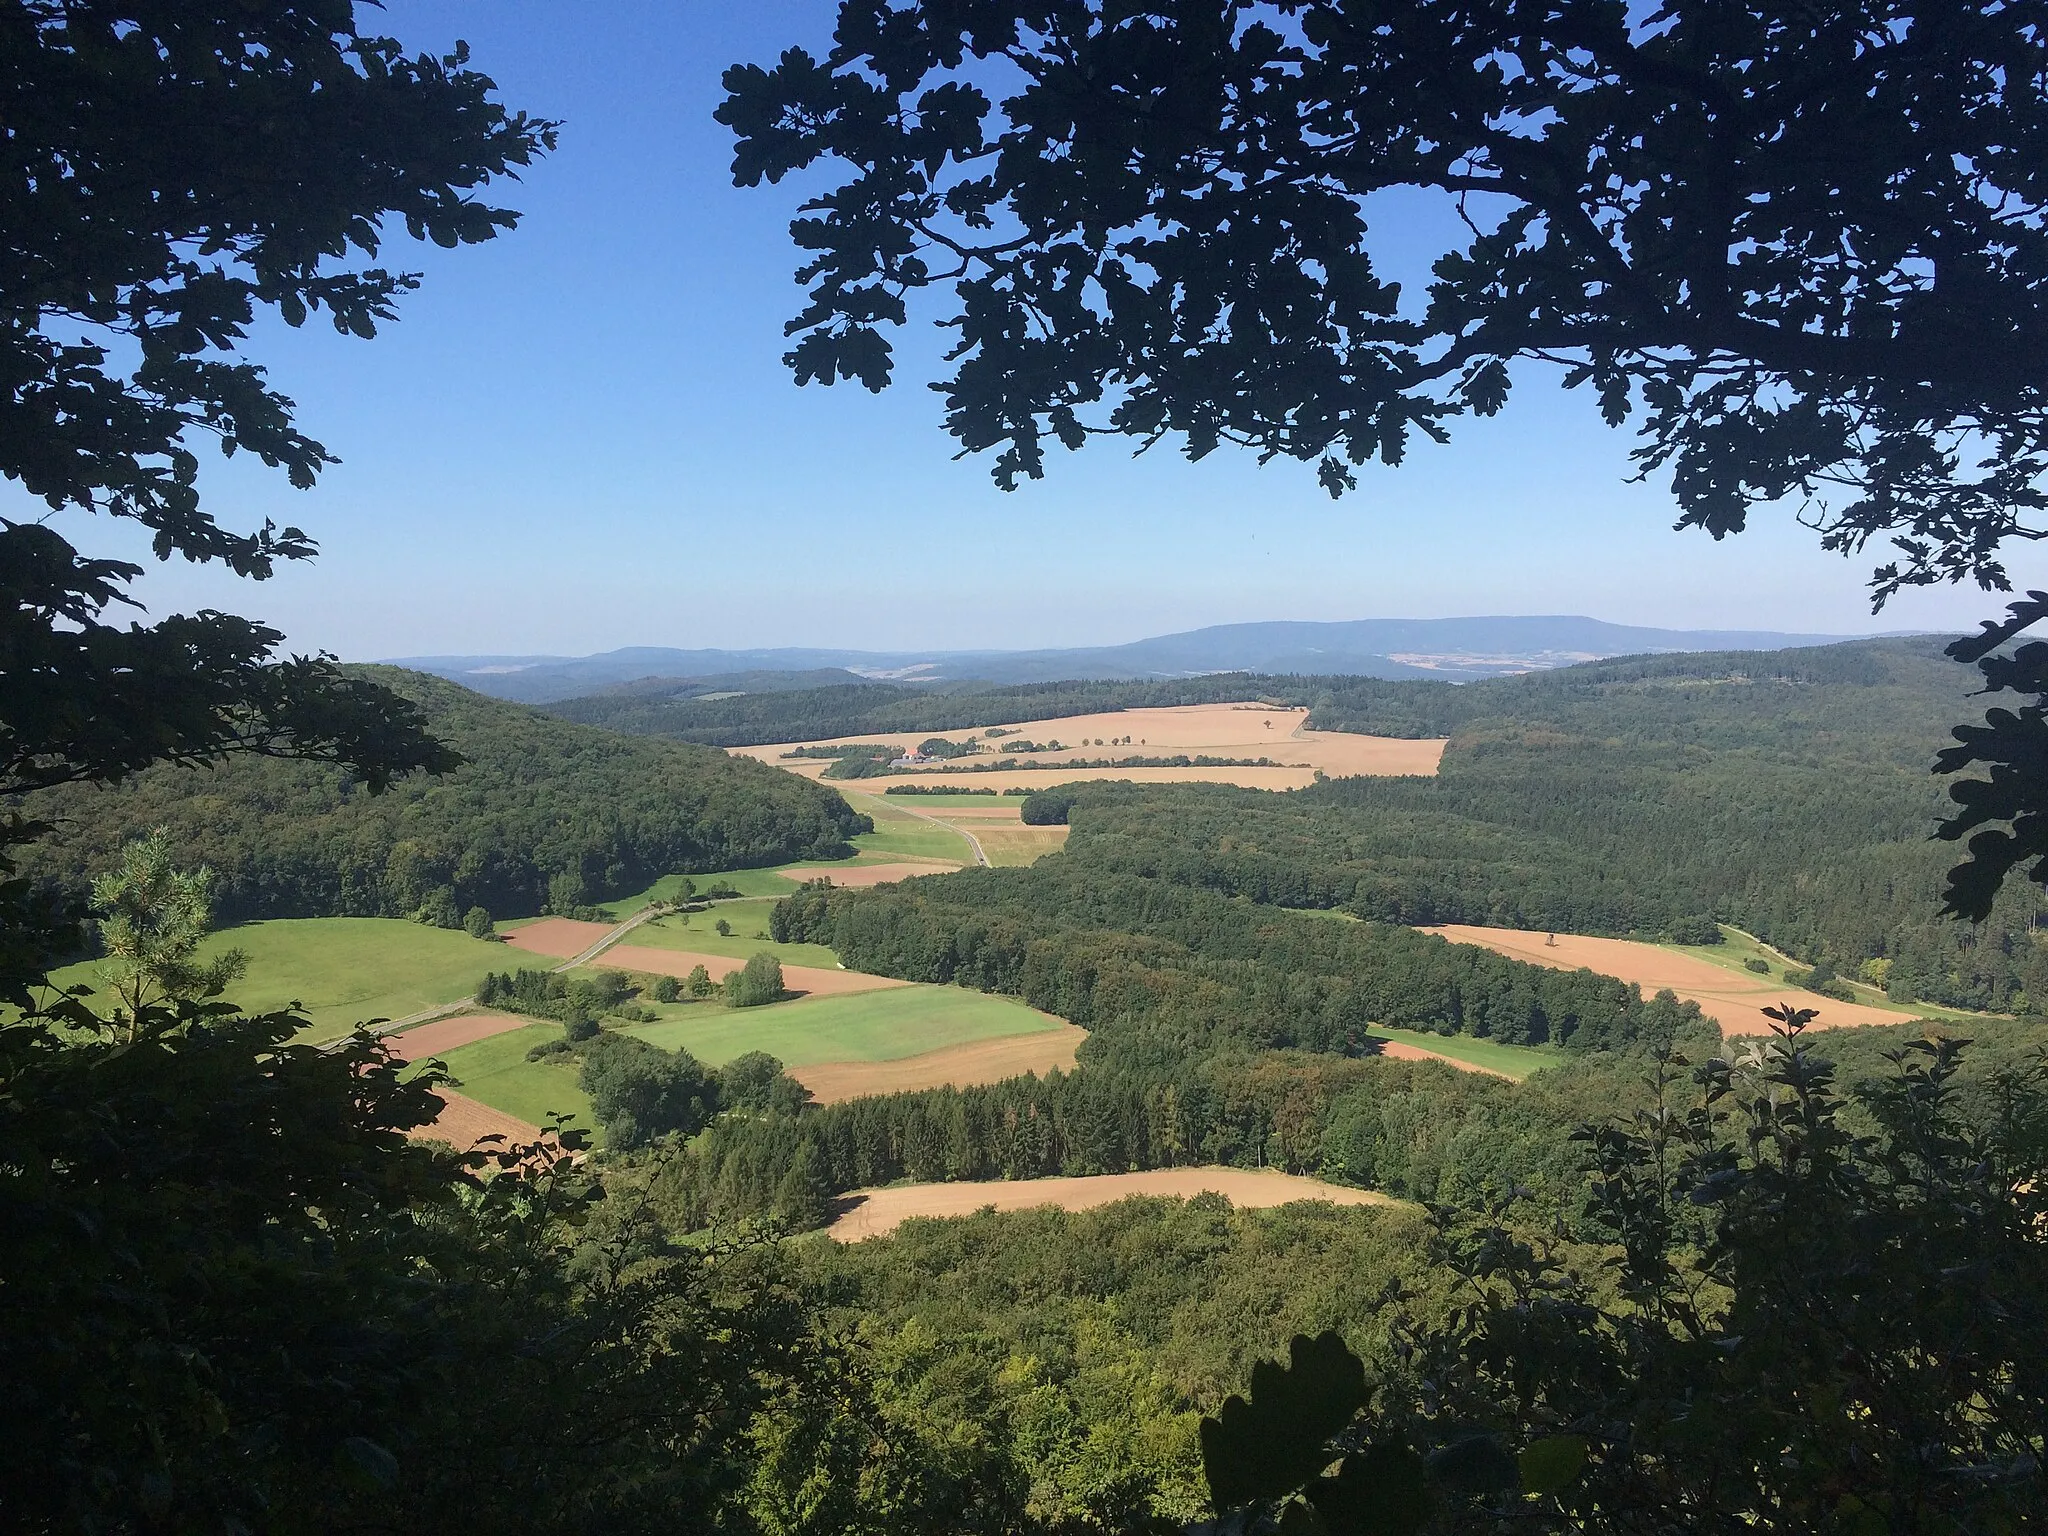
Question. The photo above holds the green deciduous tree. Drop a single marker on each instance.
(1797, 1329)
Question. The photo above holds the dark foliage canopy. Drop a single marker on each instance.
(169, 172)
(1807, 246)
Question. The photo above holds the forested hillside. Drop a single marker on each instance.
(878, 708)
(1787, 793)
(544, 814)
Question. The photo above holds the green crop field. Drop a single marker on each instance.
(496, 1072)
(343, 970)
(749, 923)
(866, 1026)
(905, 836)
(1516, 1061)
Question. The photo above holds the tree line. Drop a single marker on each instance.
(542, 815)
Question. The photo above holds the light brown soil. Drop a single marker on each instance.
(463, 1122)
(864, 875)
(1732, 999)
(812, 981)
(1401, 1050)
(446, 1034)
(1213, 730)
(877, 1212)
(957, 1066)
(561, 938)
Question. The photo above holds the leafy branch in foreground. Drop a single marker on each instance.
(1808, 249)
(1790, 1327)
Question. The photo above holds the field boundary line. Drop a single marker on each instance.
(651, 910)
(980, 856)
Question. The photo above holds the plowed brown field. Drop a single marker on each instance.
(1733, 999)
(560, 938)
(957, 1066)
(862, 875)
(877, 1212)
(446, 1034)
(463, 1122)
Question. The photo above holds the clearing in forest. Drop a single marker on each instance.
(1234, 731)
(1732, 999)
(877, 1212)
(907, 1020)
(1464, 1052)
(957, 1066)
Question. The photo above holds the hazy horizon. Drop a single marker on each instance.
(581, 437)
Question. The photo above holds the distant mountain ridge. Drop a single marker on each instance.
(1457, 650)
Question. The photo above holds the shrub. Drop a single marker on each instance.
(579, 1025)
(758, 981)
(1761, 967)
(476, 922)
(667, 990)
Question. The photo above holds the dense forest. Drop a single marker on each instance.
(879, 709)
(544, 815)
(1786, 793)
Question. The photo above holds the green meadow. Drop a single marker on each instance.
(749, 923)
(496, 1072)
(883, 1025)
(1516, 1061)
(901, 835)
(343, 971)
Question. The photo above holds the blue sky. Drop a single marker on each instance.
(581, 436)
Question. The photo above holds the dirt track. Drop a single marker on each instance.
(877, 1212)
(1733, 999)
(958, 1066)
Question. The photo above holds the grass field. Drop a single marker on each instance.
(866, 1026)
(1515, 1061)
(1008, 847)
(496, 1072)
(344, 970)
(901, 835)
(749, 923)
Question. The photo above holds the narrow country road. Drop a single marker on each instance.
(973, 842)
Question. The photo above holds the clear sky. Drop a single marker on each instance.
(581, 436)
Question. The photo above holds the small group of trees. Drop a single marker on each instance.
(640, 1093)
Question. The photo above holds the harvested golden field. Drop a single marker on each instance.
(957, 1066)
(877, 1212)
(1204, 730)
(1732, 999)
